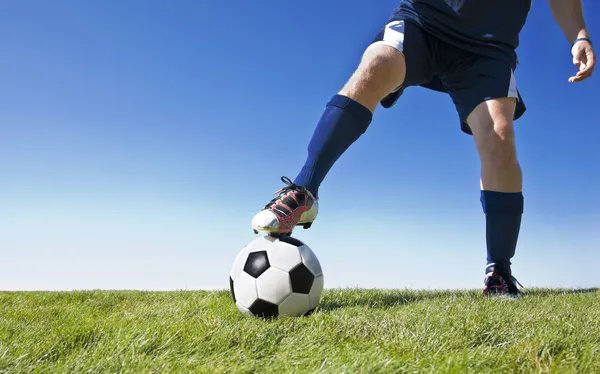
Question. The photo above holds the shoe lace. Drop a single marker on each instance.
(290, 186)
(511, 286)
(519, 283)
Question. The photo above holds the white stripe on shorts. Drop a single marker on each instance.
(393, 35)
(512, 87)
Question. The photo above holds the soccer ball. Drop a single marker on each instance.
(273, 277)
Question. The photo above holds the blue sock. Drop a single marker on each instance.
(503, 222)
(342, 123)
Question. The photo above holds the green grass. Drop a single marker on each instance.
(353, 331)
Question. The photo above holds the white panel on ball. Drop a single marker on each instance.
(244, 310)
(244, 287)
(310, 260)
(295, 305)
(261, 244)
(274, 285)
(238, 264)
(284, 256)
(316, 291)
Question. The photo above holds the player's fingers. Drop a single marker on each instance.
(581, 75)
(577, 63)
(585, 62)
(577, 77)
(591, 61)
(586, 69)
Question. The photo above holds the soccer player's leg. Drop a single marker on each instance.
(382, 70)
(501, 189)
(488, 102)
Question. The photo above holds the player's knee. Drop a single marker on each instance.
(381, 71)
(497, 144)
(385, 64)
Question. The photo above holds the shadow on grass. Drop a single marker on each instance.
(376, 298)
(559, 291)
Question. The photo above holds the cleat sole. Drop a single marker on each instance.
(278, 235)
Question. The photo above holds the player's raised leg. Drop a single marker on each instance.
(501, 189)
(347, 116)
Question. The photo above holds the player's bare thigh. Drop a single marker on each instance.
(381, 71)
(493, 131)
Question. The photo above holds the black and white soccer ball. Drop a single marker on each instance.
(274, 277)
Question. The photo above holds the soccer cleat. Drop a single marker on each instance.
(293, 206)
(498, 285)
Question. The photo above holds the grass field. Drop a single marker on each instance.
(353, 331)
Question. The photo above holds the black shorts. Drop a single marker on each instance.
(468, 78)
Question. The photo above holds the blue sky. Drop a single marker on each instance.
(138, 139)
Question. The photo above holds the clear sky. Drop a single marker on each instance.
(138, 139)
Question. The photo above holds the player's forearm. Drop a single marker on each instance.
(569, 17)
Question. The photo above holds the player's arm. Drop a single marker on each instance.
(569, 17)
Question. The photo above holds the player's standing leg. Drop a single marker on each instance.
(484, 91)
(501, 188)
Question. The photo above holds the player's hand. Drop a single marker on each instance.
(584, 59)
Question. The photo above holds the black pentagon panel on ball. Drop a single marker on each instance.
(264, 309)
(231, 289)
(293, 241)
(257, 263)
(302, 279)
